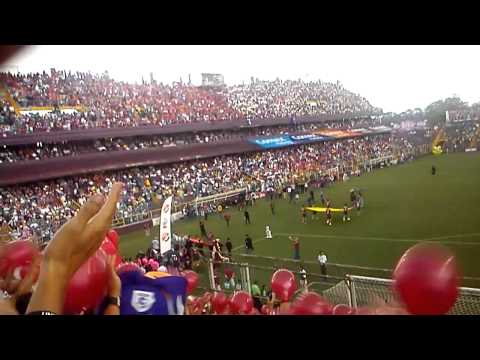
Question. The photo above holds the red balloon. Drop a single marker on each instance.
(108, 247)
(219, 302)
(283, 284)
(17, 256)
(227, 310)
(342, 309)
(88, 286)
(310, 303)
(254, 311)
(113, 237)
(364, 310)
(241, 303)
(128, 267)
(427, 279)
(192, 280)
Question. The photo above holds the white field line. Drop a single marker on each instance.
(432, 239)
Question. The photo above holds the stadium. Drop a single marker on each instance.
(263, 198)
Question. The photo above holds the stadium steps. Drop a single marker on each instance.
(6, 95)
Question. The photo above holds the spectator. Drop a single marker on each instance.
(322, 259)
(256, 293)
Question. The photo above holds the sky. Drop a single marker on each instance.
(394, 78)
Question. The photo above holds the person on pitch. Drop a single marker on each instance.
(229, 246)
(272, 208)
(434, 170)
(268, 232)
(227, 219)
(217, 256)
(322, 198)
(353, 197)
(346, 216)
(322, 260)
(247, 217)
(328, 214)
(304, 215)
(248, 244)
(296, 247)
(203, 231)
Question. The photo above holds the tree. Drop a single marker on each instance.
(435, 112)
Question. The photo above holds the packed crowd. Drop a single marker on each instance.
(109, 103)
(46, 205)
(460, 136)
(42, 151)
(267, 99)
(7, 114)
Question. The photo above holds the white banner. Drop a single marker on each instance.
(166, 226)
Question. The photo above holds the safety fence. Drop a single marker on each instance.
(337, 284)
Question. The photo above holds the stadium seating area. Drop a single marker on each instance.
(110, 104)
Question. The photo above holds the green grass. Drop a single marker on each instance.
(404, 204)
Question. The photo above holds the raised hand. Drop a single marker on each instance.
(72, 245)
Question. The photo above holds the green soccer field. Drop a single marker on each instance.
(404, 205)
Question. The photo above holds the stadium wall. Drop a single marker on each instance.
(29, 171)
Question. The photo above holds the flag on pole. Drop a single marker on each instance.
(166, 226)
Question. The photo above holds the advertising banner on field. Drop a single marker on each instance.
(166, 226)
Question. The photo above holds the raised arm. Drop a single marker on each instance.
(72, 245)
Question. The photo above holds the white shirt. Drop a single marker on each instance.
(322, 259)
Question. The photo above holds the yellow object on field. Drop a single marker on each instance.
(437, 150)
(322, 209)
